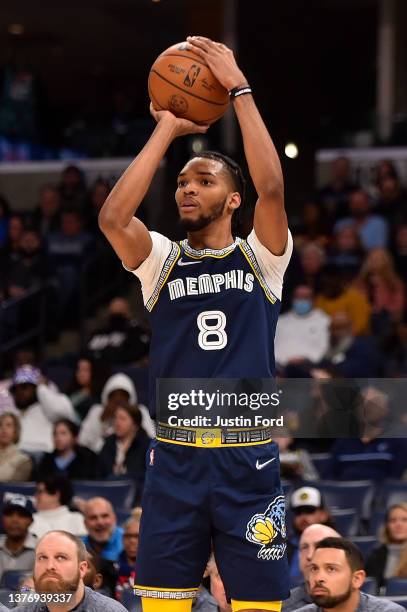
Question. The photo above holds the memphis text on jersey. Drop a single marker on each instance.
(210, 283)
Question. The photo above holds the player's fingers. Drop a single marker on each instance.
(196, 41)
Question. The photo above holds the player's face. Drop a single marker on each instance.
(330, 577)
(202, 193)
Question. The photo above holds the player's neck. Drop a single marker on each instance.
(211, 237)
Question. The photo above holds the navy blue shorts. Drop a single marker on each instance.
(230, 497)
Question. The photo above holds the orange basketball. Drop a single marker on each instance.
(181, 82)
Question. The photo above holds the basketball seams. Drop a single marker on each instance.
(188, 93)
(198, 61)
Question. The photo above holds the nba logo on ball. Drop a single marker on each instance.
(192, 75)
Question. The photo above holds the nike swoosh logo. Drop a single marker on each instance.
(187, 263)
(260, 466)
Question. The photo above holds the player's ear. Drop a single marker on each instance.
(234, 200)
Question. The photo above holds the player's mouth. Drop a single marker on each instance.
(188, 204)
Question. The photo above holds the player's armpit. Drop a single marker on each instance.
(132, 243)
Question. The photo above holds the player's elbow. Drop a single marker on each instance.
(107, 219)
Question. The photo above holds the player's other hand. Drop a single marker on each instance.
(182, 126)
(220, 60)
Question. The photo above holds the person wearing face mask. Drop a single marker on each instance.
(302, 333)
(121, 340)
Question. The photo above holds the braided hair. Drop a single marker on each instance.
(236, 175)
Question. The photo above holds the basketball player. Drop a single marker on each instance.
(213, 301)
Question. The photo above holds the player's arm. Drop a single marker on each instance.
(128, 235)
(270, 219)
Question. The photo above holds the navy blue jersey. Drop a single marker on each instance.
(213, 312)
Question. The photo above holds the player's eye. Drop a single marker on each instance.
(181, 184)
(206, 182)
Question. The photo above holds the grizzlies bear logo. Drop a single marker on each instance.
(268, 530)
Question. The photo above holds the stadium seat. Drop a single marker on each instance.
(396, 586)
(320, 461)
(357, 494)
(119, 492)
(346, 521)
(130, 601)
(369, 586)
(122, 515)
(376, 521)
(5, 598)
(392, 492)
(401, 601)
(11, 579)
(365, 544)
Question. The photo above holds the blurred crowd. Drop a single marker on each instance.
(82, 418)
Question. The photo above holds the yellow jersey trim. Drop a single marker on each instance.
(247, 252)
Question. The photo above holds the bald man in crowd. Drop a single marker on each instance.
(310, 536)
(105, 538)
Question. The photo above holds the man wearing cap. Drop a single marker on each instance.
(17, 545)
(39, 407)
(307, 507)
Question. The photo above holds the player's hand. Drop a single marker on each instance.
(220, 60)
(182, 126)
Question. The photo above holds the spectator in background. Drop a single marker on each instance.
(4, 220)
(299, 596)
(52, 499)
(346, 252)
(386, 559)
(392, 200)
(46, 216)
(68, 250)
(334, 197)
(105, 538)
(335, 296)
(372, 229)
(14, 465)
(350, 356)
(68, 458)
(17, 545)
(93, 577)
(302, 333)
(98, 424)
(308, 508)
(128, 556)
(122, 340)
(60, 566)
(87, 384)
(312, 258)
(72, 188)
(383, 287)
(295, 463)
(369, 457)
(124, 453)
(39, 407)
(312, 227)
(336, 577)
(31, 268)
(400, 251)
(97, 196)
(11, 249)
